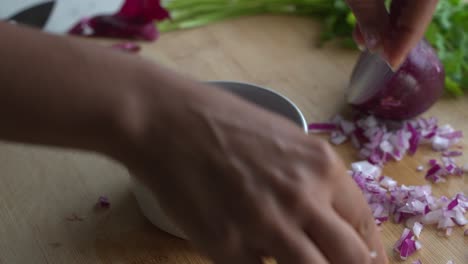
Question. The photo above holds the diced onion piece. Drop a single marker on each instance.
(322, 127)
(440, 143)
(366, 168)
(417, 228)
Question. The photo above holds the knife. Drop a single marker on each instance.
(35, 16)
(371, 70)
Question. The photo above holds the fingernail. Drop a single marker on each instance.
(372, 40)
(361, 47)
(394, 65)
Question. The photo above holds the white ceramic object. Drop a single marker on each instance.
(263, 97)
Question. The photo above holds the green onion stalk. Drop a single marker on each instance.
(447, 32)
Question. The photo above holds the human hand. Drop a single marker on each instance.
(393, 33)
(244, 184)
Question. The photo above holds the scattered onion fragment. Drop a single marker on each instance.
(103, 202)
(417, 228)
(414, 206)
(135, 20)
(417, 262)
(406, 245)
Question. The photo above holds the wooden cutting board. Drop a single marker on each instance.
(47, 212)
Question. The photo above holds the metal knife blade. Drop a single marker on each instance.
(35, 16)
(369, 72)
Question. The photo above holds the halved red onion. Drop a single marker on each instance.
(411, 90)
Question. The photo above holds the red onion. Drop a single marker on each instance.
(135, 20)
(410, 91)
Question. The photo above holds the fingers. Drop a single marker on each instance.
(350, 204)
(294, 246)
(408, 22)
(337, 239)
(372, 18)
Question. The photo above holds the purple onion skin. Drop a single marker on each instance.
(412, 90)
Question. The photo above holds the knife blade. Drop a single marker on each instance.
(370, 71)
(35, 16)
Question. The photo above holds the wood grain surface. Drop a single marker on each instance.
(47, 212)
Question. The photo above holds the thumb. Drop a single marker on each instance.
(408, 22)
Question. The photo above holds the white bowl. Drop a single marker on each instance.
(260, 96)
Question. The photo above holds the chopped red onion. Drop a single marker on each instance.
(379, 142)
(417, 262)
(337, 138)
(347, 127)
(466, 232)
(406, 245)
(418, 245)
(410, 204)
(440, 143)
(450, 262)
(454, 153)
(417, 228)
(320, 127)
(452, 135)
(103, 202)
